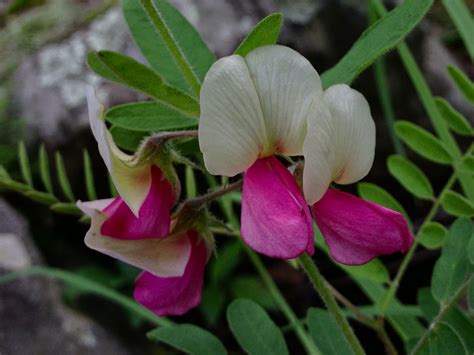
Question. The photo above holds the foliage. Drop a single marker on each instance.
(178, 60)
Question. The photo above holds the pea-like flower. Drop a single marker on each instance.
(271, 103)
(136, 227)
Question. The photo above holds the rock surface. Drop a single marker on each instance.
(32, 318)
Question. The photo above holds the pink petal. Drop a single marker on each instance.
(171, 296)
(357, 231)
(154, 216)
(275, 218)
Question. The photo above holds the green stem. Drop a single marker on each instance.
(430, 106)
(89, 286)
(282, 304)
(389, 296)
(321, 287)
(162, 28)
(435, 322)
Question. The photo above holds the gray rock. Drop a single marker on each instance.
(49, 87)
(33, 319)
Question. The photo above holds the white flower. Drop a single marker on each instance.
(272, 102)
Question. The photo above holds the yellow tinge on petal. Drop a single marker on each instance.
(132, 180)
(162, 257)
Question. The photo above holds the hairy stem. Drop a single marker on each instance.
(320, 286)
(211, 196)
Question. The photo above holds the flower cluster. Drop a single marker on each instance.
(272, 103)
(254, 110)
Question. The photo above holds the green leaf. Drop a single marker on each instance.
(379, 38)
(66, 208)
(226, 261)
(427, 303)
(189, 339)
(127, 71)
(407, 327)
(266, 32)
(44, 169)
(432, 234)
(464, 84)
(89, 176)
(374, 270)
(4, 173)
(96, 273)
(466, 164)
(471, 250)
(471, 294)
(252, 288)
(175, 45)
(456, 204)
(443, 340)
(453, 118)
(451, 268)
(422, 142)
(378, 195)
(126, 138)
(42, 197)
(13, 185)
(62, 178)
(148, 117)
(410, 177)
(326, 333)
(213, 303)
(462, 18)
(24, 164)
(254, 330)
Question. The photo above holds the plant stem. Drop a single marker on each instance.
(444, 309)
(388, 298)
(320, 286)
(89, 286)
(198, 201)
(375, 324)
(359, 315)
(162, 28)
(282, 304)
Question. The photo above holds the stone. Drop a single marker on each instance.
(33, 319)
(49, 86)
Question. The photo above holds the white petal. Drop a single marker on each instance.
(89, 207)
(162, 257)
(319, 153)
(286, 84)
(340, 144)
(132, 182)
(231, 127)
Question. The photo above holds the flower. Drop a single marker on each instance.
(136, 228)
(253, 108)
(269, 103)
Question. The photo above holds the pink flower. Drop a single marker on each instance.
(271, 102)
(136, 228)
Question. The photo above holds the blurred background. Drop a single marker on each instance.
(43, 75)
